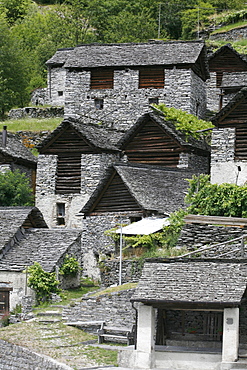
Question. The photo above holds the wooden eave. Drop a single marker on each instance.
(91, 209)
(187, 305)
(8, 159)
(46, 150)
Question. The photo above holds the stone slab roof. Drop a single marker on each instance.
(99, 137)
(45, 246)
(135, 54)
(60, 57)
(187, 142)
(204, 282)
(154, 188)
(13, 219)
(16, 150)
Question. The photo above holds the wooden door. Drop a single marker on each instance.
(4, 302)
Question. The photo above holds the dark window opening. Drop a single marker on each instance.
(99, 103)
(60, 93)
(61, 213)
(135, 219)
(151, 78)
(219, 77)
(102, 78)
(153, 101)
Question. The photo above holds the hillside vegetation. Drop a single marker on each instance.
(31, 32)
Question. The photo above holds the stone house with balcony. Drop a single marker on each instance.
(115, 83)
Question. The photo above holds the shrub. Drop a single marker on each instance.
(15, 189)
(70, 266)
(42, 282)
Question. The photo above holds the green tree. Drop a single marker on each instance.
(15, 190)
(14, 9)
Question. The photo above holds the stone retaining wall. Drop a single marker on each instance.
(35, 112)
(109, 271)
(13, 357)
(232, 35)
(115, 309)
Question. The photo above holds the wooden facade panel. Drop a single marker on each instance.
(241, 143)
(116, 198)
(152, 145)
(69, 141)
(102, 78)
(151, 77)
(68, 175)
(227, 62)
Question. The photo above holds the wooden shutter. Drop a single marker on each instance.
(4, 301)
(241, 143)
(151, 77)
(102, 78)
(68, 176)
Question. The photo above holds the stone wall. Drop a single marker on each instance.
(115, 309)
(13, 357)
(34, 112)
(39, 96)
(224, 168)
(123, 104)
(194, 236)
(56, 86)
(96, 245)
(109, 271)
(236, 34)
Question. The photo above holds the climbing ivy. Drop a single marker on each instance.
(42, 282)
(204, 198)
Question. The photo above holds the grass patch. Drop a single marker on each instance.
(31, 124)
(230, 27)
(115, 289)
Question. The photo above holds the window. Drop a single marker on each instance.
(61, 213)
(99, 103)
(102, 78)
(60, 93)
(153, 101)
(152, 77)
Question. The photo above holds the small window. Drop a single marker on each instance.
(153, 101)
(60, 93)
(135, 219)
(99, 103)
(61, 213)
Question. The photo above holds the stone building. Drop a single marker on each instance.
(228, 146)
(25, 239)
(191, 314)
(115, 83)
(228, 74)
(15, 156)
(72, 160)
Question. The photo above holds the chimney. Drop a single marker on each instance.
(4, 136)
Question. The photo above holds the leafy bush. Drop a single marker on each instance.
(183, 121)
(42, 282)
(228, 200)
(70, 266)
(232, 17)
(15, 189)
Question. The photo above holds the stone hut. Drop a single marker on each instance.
(15, 156)
(25, 239)
(229, 149)
(191, 314)
(72, 160)
(154, 140)
(228, 74)
(127, 194)
(115, 83)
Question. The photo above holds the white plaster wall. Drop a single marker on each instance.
(224, 168)
(18, 283)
